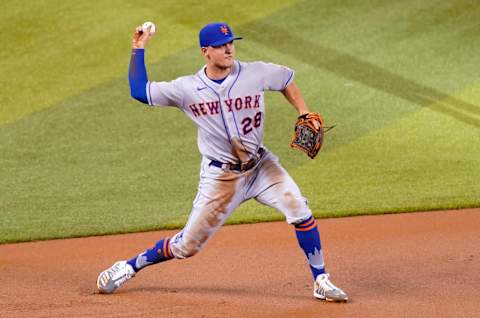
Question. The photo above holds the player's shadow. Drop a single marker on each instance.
(366, 73)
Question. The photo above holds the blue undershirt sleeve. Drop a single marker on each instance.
(137, 76)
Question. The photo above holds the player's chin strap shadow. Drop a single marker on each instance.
(328, 128)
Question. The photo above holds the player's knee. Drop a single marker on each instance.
(190, 251)
(291, 201)
(296, 204)
(186, 248)
(295, 208)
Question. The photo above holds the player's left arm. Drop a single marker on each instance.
(281, 78)
(294, 96)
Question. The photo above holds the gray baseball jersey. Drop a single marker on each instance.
(230, 120)
(229, 116)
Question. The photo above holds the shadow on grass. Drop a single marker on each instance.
(369, 74)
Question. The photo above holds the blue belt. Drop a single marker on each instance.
(241, 167)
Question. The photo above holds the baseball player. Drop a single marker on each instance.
(225, 99)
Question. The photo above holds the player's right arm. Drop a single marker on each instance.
(137, 73)
(143, 90)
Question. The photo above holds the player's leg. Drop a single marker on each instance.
(215, 201)
(218, 196)
(119, 273)
(212, 206)
(274, 187)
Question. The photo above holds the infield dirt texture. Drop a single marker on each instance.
(406, 265)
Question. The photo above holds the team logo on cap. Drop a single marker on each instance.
(224, 29)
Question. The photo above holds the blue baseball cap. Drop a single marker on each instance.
(216, 34)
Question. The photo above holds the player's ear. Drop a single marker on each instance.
(205, 53)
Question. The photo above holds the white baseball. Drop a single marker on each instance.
(145, 26)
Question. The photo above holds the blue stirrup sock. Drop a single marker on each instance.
(309, 240)
(159, 253)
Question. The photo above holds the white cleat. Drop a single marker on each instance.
(325, 290)
(110, 279)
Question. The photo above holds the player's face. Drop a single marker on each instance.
(221, 56)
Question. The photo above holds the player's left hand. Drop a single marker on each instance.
(309, 133)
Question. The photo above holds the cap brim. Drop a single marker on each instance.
(225, 40)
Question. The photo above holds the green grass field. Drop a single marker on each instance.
(79, 157)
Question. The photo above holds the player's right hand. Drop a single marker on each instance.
(140, 38)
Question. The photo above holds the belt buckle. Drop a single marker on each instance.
(227, 167)
(248, 165)
(244, 166)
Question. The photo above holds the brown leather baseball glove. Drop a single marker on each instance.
(308, 134)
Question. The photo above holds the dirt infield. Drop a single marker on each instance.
(400, 265)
